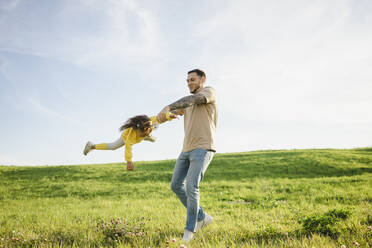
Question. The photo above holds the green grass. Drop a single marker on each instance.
(288, 198)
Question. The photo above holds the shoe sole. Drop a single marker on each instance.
(86, 149)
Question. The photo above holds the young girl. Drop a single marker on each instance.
(135, 130)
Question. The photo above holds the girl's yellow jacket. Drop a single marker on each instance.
(130, 137)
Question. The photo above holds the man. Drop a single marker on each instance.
(200, 120)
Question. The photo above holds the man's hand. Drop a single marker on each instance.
(178, 112)
(130, 166)
(162, 116)
(173, 116)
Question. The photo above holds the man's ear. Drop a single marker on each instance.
(203, 79)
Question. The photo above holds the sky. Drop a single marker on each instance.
(291, 74)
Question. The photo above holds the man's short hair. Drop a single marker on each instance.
(199, 72)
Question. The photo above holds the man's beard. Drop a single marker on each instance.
(193, 92)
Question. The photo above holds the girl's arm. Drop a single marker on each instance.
(128, 152)
(128, 140)
(128, 156)
(169, 117)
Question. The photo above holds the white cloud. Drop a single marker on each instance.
(291, 61)
(8, 5)
(130, 36)
(10, 160)
(5, 7)
(3, 63)
(50, 113)
(89, 33)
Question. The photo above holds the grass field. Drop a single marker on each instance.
(291, 198)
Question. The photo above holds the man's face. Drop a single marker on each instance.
(194, 82)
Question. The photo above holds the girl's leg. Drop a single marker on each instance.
(103, 146)
(110, 146)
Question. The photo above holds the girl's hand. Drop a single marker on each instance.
(130, 166)
(162, 116)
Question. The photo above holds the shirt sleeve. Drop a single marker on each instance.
(124, 135)
(128, 143)
(209, 93)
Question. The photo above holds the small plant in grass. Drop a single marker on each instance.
(119, 230)
(325, 224)
(368, 220)
(18, 239)
(339, 214)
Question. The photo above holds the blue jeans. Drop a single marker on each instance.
(188, 173)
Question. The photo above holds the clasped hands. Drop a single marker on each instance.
(162, 116)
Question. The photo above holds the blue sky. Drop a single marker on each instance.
(288, 74)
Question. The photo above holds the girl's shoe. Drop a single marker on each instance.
(88, 148)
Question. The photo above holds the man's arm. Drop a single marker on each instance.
(187, 101)
(181, 104)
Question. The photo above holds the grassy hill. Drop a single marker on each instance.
(291, 198)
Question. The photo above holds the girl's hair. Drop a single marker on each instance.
(139, 122)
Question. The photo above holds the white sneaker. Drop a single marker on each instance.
(88, 147)
(205, 222)
(187, 236)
